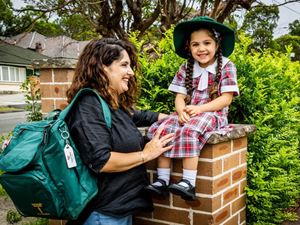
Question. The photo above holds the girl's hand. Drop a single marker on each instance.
(157, 145)
(192, 110)
(183, 117)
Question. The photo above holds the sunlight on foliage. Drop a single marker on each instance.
(269, 85)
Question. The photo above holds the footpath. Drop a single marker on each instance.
(13, 100)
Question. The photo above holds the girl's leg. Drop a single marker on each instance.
(160, 185)
(186, 186)
(190, 166)
(163, 170)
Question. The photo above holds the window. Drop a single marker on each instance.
(5, 75)
(12, 74)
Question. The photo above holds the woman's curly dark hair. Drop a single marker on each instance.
(89, 72)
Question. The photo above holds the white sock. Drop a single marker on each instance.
(189, 175)
(164, 174)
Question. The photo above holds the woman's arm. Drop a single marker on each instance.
(162, 116)
(119, 162)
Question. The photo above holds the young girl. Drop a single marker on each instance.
(204, 87)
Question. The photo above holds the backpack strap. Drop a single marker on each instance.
(105, 109)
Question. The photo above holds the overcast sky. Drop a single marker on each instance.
(288, 14)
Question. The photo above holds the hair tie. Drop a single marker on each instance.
(216, 34)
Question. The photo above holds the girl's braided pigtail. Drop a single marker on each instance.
(213, 90)
(188, 79)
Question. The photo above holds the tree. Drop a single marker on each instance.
(77, 27)
(119, 17)
(294, 28)
(11, 24)
(259, 24)
(6, 16)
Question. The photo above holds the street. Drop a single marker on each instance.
(9, 120)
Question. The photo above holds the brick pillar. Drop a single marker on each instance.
(55, 78)
(221, 171)
(221, 181)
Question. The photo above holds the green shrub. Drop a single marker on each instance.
(39, 221)
(13, 216)
(33, 96)
(158, 67)
(270, 86)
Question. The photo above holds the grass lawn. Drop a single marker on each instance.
(4, 109)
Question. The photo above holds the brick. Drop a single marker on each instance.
(204, 204)
(243, 184)
(202, 219)
(238, 204)
(221, 183)
(231, 162)
(222, 215)
(152, 165)
(239, 174)
(177, 165)
(230, 194)
(217, 218)
(57, 222)
(54, 91)
(162, 200)
(233, 221)
(141, 221)
(47, 105)
(210, 169)
(239, 143)
(185, 204)
(63, 75)
(204, 186)
(61, 104)
(243, 216)
(171, 215)
(213, 151)
(243, 156)
(46, 75)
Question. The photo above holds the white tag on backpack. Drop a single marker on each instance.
(70, 157)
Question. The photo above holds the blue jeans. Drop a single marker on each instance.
(100, 219)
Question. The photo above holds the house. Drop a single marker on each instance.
(54, 47)
(15, 66)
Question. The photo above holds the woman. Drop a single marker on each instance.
(115, 155)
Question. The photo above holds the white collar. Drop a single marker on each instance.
(203, 72)
(198, 70)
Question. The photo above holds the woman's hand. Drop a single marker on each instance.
(157, 145)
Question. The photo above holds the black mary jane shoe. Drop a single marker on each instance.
(187, 193)
(159, 190)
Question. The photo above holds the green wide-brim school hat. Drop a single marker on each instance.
(183, 30)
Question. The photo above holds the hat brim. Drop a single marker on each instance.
(183, 30)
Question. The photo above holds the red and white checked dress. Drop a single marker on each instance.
(192, 136)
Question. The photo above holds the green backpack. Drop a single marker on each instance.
(43, 172)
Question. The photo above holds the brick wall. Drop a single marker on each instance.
(220, 189)
(221, 171)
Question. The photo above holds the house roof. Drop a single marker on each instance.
(60, 46)
(15, 55)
